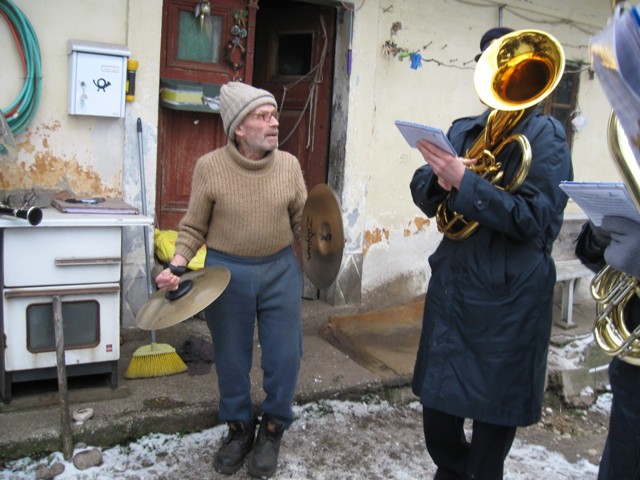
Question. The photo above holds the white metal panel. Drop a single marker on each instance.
(61, 256)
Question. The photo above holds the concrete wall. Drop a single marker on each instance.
(388, 238)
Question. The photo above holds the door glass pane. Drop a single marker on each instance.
(294, 54)
(80, 325)
(564, 90)
(199, 45)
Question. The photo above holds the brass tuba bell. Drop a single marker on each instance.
(514, 74)
(612, 289)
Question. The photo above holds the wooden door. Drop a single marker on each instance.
(196, 58)
(293, 59)
(294, 50)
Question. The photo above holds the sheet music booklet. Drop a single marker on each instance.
(104, 206)
(600, 199)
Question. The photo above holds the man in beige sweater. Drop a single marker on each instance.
(246, 206)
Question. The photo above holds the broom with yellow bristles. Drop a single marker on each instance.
(156, 359)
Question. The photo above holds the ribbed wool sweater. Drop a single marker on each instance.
(244, 207)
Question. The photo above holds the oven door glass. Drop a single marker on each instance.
(80, 320)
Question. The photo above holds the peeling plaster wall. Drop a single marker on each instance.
(88, 156)
(58, 151)
(382, 225)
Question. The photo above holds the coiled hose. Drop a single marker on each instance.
(21, 112)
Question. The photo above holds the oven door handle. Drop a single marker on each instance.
(50, 291)
(70, 262)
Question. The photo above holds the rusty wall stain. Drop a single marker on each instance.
(372, 237)
(50, 172)
(420, 223)
(26, 146)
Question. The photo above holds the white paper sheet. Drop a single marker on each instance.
(615, 53)
(600, 199)
(412, 132)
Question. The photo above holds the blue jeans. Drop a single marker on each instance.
(269, 290)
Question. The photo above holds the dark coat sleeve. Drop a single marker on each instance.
(426, 192)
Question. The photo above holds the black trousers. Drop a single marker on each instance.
(621, 456)
(456, 458)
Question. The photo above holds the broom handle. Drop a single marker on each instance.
(143, 190)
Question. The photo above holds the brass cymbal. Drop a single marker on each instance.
(207, 284)
(322, 236)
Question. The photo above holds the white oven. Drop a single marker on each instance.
(78, 258)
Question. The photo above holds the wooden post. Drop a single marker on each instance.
(65, 419)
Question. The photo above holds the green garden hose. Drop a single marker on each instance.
(21, 112)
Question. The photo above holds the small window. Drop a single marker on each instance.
(294, 54)
(563, 101)
(203, 48)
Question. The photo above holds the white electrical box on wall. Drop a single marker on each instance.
(97, 78)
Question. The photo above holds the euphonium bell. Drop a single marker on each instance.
(612, 290)
(514, 74)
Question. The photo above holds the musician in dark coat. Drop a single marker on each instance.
(488, 309)
(617, 243)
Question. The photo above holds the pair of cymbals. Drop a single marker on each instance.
(322, 236)
(203, 287)
(322, 242)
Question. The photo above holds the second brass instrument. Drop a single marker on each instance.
(611, 289)
(514, 74)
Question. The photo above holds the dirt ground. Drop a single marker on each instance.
(576, 433)
(373, 437)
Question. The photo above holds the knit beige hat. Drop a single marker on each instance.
(237, 99)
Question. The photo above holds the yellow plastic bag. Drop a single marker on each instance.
(165, 243)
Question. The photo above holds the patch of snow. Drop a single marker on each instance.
(330, 440)
(570, 355)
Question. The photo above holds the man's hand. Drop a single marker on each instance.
(448, 168)
(623, 253)
(166, 280)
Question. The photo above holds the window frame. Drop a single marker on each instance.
(206, 72)
(552, 104)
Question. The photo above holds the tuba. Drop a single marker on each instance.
(610, 288)
(514, 74)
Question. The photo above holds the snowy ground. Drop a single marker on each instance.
(335, 440)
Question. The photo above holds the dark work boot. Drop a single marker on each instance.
(264, 459)
(234, 448)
